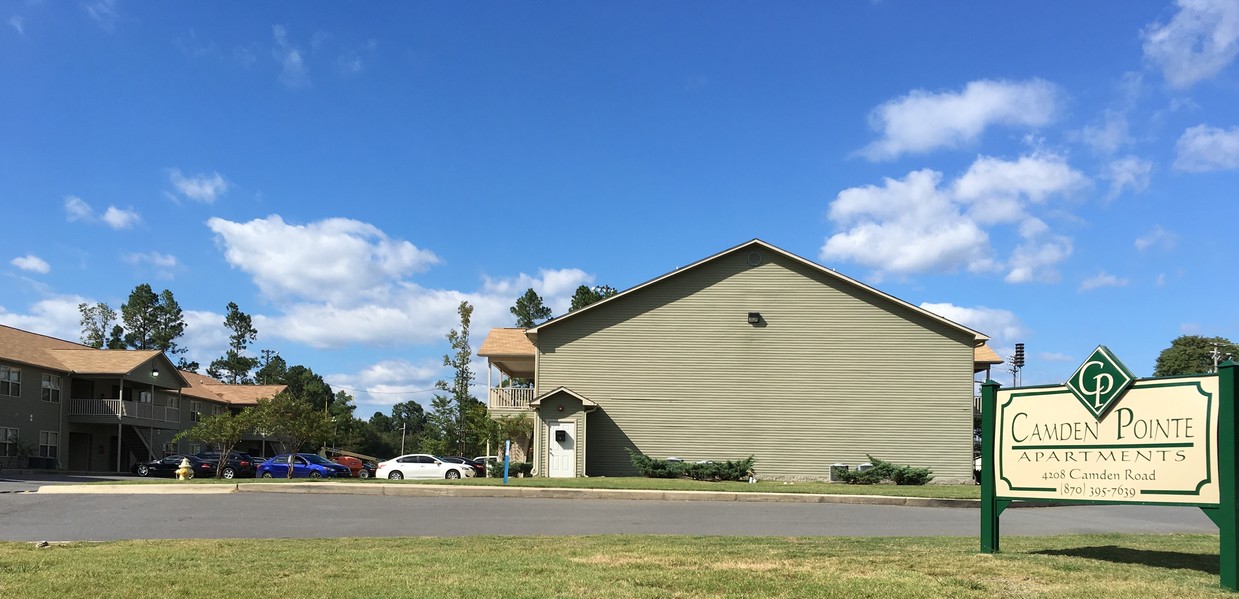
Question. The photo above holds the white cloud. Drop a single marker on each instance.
(1034, 260)
(18, 23)
(922, 121)
(1001, 325)
(337, 260)
(102, 12)
(31, 263)
(1108, 136)
(1127, 173)
(205, 336)
(294, 71)
(201, 187)
(55, 317)
(995, 187)
(1200, 41)
(120, 219)
(906, 226)
(164, 265)
(919, 225)
(1158, 237)
(1102, 279)
(555, 286)
(1203, 148)
(78, 209)
(381, 385)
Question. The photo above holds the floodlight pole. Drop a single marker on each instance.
(403, 426)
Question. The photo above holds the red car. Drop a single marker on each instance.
(358, 468)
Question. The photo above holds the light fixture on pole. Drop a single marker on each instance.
(402, 429)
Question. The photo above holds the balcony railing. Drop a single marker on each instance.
(129, 409)
(511, 398)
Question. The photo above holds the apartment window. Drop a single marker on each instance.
(10, 381)
(51, 388)
(169, 448)
(144, 397)
(49, 444)
(8, 442)
(195, 410)
(174, 401)
(195, 448)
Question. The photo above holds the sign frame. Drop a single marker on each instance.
(1223, 447)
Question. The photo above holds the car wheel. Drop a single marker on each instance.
(316, 474)
(267, 474)
(452, 474)
(363, 473)
(144, 470)
(229, 473)
(396, 475)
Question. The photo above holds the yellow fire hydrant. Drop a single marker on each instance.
(185, 472)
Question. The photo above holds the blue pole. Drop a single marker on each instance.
(507, 452)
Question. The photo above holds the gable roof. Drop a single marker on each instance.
(566, 391)
(205, 387)
(506, 342)
(74, 358)
(757, 243)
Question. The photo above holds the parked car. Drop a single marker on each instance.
(238, 464)
(305, 465)
(357, 467)
(169, 465)
(479, 468)
(421, 465)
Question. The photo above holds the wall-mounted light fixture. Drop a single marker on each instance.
(155, 371)
(754, 317)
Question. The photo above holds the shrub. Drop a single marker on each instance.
(883, 471)
(711, 471)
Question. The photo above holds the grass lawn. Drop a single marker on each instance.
(642, 483)
(1179, 566)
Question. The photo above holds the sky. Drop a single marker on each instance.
(1059, 174)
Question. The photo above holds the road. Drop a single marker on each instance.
(45, 517)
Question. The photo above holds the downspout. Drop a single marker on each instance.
(120, 410)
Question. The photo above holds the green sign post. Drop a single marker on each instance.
(1106, 437)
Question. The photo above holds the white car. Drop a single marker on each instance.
(420, 465)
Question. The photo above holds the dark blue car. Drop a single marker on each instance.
(305, 465)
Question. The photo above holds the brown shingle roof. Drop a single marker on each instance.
(982, 354)
(25, 347)
(102, 361)
(507, 342)
(246, 395)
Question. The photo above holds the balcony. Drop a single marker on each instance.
(118, 409)
(510, 398)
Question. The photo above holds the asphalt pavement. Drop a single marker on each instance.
(64, 517)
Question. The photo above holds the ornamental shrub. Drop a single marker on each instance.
(709, 471)
(884, 472)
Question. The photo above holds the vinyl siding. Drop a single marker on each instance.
(834, 372)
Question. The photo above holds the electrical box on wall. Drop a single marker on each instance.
(561, 436)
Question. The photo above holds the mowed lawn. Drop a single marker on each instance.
(1179, 566)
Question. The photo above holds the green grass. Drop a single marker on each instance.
(1180, 566)
(642, 483)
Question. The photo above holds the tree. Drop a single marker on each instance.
(235, 366)
(304, 383)
(292, 419)
(223, 431)
(529, 309)
(188, 366)
(152, 321)
(585, 296)
(1193, 354)
(96, 322)
(453, 424)
(274, 369)
(116, 340)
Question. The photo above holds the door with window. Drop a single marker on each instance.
(562, 450)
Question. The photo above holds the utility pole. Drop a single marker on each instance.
(1017, 364)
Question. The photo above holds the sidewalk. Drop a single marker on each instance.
(426, 490)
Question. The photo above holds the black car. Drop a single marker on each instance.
(168, 466)
(479, 468)
(238, 465)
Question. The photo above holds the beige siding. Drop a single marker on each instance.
(834, 372)
(549, 413)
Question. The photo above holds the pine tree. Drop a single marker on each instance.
(529, 309)
(235, 366)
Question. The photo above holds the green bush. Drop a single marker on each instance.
(711, 471)
(494, 468)
(883, 472)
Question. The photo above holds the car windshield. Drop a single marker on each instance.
(314, 458)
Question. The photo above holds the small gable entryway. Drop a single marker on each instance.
(560, 433)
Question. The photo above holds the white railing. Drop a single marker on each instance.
(511, 398)
(976, 405)
(130, 409)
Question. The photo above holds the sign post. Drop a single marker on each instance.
(1106, 437)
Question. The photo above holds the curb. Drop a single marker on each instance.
(426, 490)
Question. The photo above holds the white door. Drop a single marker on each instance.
(562, 450)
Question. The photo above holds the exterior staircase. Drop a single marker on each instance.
(134, 443)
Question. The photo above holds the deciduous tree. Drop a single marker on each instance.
(222, 431)
(1193, 354)
(97, 321)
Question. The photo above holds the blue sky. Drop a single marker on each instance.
(1061, 174)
